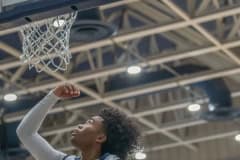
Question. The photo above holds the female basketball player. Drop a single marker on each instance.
(110, 135)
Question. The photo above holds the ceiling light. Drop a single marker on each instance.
(134, 69)
(211, 107)
(58, 23)
(140, 155)
(194, 107)
(237, 137)
(10, 97)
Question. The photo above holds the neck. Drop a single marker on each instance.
(91, 153)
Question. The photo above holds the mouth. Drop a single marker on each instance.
(73, 133)
(76, 131)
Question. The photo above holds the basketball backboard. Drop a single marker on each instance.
(7, 3)
(20, 12)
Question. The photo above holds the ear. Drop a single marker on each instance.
(101, 138)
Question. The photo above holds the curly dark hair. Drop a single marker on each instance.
(122, 133)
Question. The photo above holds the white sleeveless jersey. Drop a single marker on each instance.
(106, 156)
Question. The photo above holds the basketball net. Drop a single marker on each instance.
(46, 43)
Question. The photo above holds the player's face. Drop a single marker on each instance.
(90, 133)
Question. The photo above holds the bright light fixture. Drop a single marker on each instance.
(237, 137)
(194, 107)
(58, 23)
(140, 155)
(211, 107)
(10, 97)
(134, 69)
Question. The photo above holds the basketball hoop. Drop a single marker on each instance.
(47, 43)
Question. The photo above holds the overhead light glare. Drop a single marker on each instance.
(59, 23)
(140, 155)
(194, 107)
(134, 69)
(10, 97)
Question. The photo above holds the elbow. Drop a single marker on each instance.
(22, 133)
(19, 132)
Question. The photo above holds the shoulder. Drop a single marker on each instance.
(71, 157)
(104, 157)
(108, 156)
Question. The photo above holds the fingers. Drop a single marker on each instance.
(74, 90)
(66, 89)
(71, 90)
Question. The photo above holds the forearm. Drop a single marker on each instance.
(34, 118)
(40, 149)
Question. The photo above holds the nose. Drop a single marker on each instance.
(77, 128)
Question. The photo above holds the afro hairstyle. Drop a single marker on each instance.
(121, 131)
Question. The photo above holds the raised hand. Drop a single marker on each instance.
(66, 91)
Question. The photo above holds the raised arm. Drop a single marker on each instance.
(27, 130)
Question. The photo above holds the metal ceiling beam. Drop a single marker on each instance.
(196, 140)
(170, 107)
(11, 2)
(117, 4)
(178, 125)
(135, 91)
(171, 83)
(166, 133)
(147, 31)
(199, 28)
(9, 82)
(191, 6)
(143, 32)
(203, 6)
(148, 11)
(157, 29)
(20, 71)
(112, 70)
(172, 145)
(235, 28)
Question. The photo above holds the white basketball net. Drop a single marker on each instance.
(46, 43)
